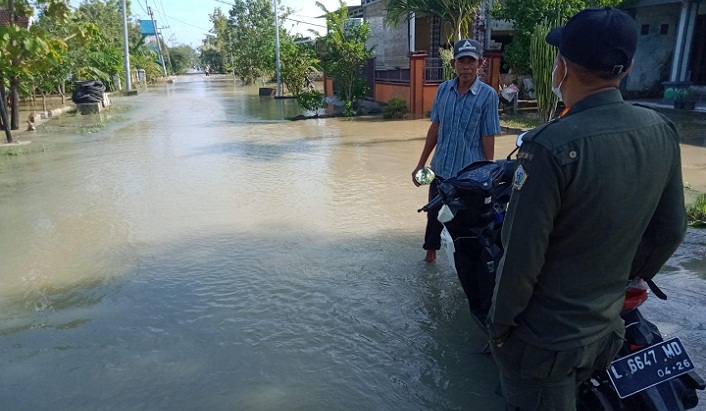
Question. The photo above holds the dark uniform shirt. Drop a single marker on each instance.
(598, 197)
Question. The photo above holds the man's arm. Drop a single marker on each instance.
(429, 144)
(490, 126)
(535, 201)
(665, 231)
(488, 143)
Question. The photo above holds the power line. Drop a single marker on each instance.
(304, 22)
(163, 12)
(286, 18)
(189, 24)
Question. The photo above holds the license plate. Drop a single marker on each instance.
(649, 367)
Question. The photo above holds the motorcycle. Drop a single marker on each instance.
(648, 373)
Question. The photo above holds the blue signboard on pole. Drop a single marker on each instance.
(147, 28)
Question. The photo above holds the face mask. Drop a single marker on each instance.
(557, 90)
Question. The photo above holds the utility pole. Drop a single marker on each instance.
(166, 49)
(230, 48)
(126, 50)
(156, 36)
(279, 84)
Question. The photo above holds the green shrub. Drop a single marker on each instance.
(446, 56)
(697, 212)
(311, 100)
(395, 108)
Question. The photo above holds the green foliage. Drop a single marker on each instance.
(106, 14)
(395, 108)
(217, 46)
(182, 58)
(25, 50)
(153, 71)
(446, 56)
(542, 56)
(459, 13)
(252, 38)
(526, 14)
(343, 55)
(697, 212)
(311, 100)
(297, 61)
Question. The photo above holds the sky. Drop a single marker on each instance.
(188, 21)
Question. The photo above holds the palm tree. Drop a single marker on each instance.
(458, 13)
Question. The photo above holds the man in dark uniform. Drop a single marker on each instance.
(597, 198)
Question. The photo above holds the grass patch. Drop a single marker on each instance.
(15, 151)
(105, 120)
(93, 128)
(7, 152)
(696, 212)
(686, 120)
(523, 121)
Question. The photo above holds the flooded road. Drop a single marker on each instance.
(194, 251)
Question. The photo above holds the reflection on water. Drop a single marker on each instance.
(197, 252)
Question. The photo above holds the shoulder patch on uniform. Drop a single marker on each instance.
(520, 178)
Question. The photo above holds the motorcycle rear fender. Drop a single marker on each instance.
(637, 329)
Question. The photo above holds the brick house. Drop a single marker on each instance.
(406, 60)
(19, 20)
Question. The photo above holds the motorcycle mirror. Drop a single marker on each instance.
(425, 176)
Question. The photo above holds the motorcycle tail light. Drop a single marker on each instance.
(635, 294)
(634, 347)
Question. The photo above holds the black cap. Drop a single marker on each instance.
(468, 47)
(600, 38)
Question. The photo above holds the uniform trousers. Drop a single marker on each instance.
(534, 378)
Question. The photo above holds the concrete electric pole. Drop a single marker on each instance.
(156, 37)
(128, 77)
(279, 84)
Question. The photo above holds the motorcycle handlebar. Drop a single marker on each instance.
(435, 202)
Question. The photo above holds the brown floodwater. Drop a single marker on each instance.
(189, 249)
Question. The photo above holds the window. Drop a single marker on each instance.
(664, 29)
(645, 29)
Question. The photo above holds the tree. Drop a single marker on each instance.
(68, 38)
(343, 54)
(103, 59)
(458, 13)
(217, 45)
(182, 58)
(252, 38)
(21, 44)
(298, 60)
(526, 14)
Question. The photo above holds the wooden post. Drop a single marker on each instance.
(493, 60)
(416, 82)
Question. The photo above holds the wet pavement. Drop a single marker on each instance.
(188, 249)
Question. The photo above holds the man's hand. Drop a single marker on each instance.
(414, 175)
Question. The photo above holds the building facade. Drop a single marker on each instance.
(671, 48)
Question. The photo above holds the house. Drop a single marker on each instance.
(671, 47)
(407, 63)
(22, 21)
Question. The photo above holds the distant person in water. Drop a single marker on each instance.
(464, 122)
